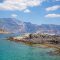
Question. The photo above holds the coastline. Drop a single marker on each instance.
(4, 32)
(29, 40)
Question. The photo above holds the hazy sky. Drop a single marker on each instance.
(35, 11)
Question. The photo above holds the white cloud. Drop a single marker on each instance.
(13, 15)
(19, 4)
(27, 11)
(53, 15)
(53, 8)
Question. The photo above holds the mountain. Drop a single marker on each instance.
(30, 28)
(15, 26)
(49, 29)
(11, 25)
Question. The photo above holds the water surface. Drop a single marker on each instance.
(10, 50)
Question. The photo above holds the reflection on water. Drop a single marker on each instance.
(18, 51)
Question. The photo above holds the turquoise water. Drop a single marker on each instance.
(10, 50)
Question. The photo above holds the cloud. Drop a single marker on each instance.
(27, 11)
(14, 15)
(20, 5)
(53, 8)
(53, 15)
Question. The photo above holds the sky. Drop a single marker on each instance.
(34, 11)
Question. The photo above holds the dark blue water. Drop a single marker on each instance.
(10, 50)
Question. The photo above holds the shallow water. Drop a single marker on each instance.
(10, 50)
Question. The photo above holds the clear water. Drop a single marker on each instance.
(18, 51)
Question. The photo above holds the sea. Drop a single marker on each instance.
(10, 50)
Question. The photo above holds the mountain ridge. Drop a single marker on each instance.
(16, 26)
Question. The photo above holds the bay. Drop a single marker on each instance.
(10, 50)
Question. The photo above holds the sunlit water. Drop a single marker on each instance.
(10, 50)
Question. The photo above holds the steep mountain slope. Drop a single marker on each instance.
(16, 26)
(10, 24)
(49, 29)
(30, 28)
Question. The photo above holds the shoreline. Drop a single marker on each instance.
(4, 32)
(30, 41)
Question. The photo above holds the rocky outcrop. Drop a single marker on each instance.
(38, 38)
(49, 41)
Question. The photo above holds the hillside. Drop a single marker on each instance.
(15, 26)
(49, 29)
(9, 24)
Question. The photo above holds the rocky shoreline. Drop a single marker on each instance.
(39, 40)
